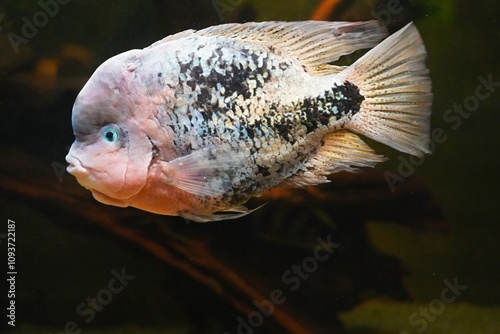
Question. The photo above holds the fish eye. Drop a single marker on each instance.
(110, 134)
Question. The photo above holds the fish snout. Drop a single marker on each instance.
(75, 167)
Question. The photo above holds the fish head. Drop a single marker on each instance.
(112, 152)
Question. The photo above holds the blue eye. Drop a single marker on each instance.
(111, 135)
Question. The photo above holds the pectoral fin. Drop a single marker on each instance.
(207, 172)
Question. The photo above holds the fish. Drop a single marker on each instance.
(201, 121)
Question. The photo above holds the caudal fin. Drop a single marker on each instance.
(395, 83)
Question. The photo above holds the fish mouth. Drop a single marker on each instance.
(75, 167)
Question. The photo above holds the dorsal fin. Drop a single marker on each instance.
(313, 44)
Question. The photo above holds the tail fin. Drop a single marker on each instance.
(395, 83)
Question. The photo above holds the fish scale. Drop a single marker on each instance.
(271, 129)
(201, 121)
(259, 119)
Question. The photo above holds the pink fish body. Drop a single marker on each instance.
(201, 121)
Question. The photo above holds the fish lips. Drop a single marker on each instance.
(83, 176)
(79, 171)
(75, 166)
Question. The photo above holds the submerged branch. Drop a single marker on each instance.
(352, 198)
(325, 10)
(33, 180)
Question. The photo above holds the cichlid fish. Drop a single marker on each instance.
(199, 122)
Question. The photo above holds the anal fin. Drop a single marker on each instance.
(341, 151)
(303, 179)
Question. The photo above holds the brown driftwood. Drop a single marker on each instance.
(32, 179)
(410, 203)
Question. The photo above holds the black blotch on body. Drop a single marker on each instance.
(159, 81)
(230, 74)
(263, 170)
(338, 102)
(353, 97)
(250, 132)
